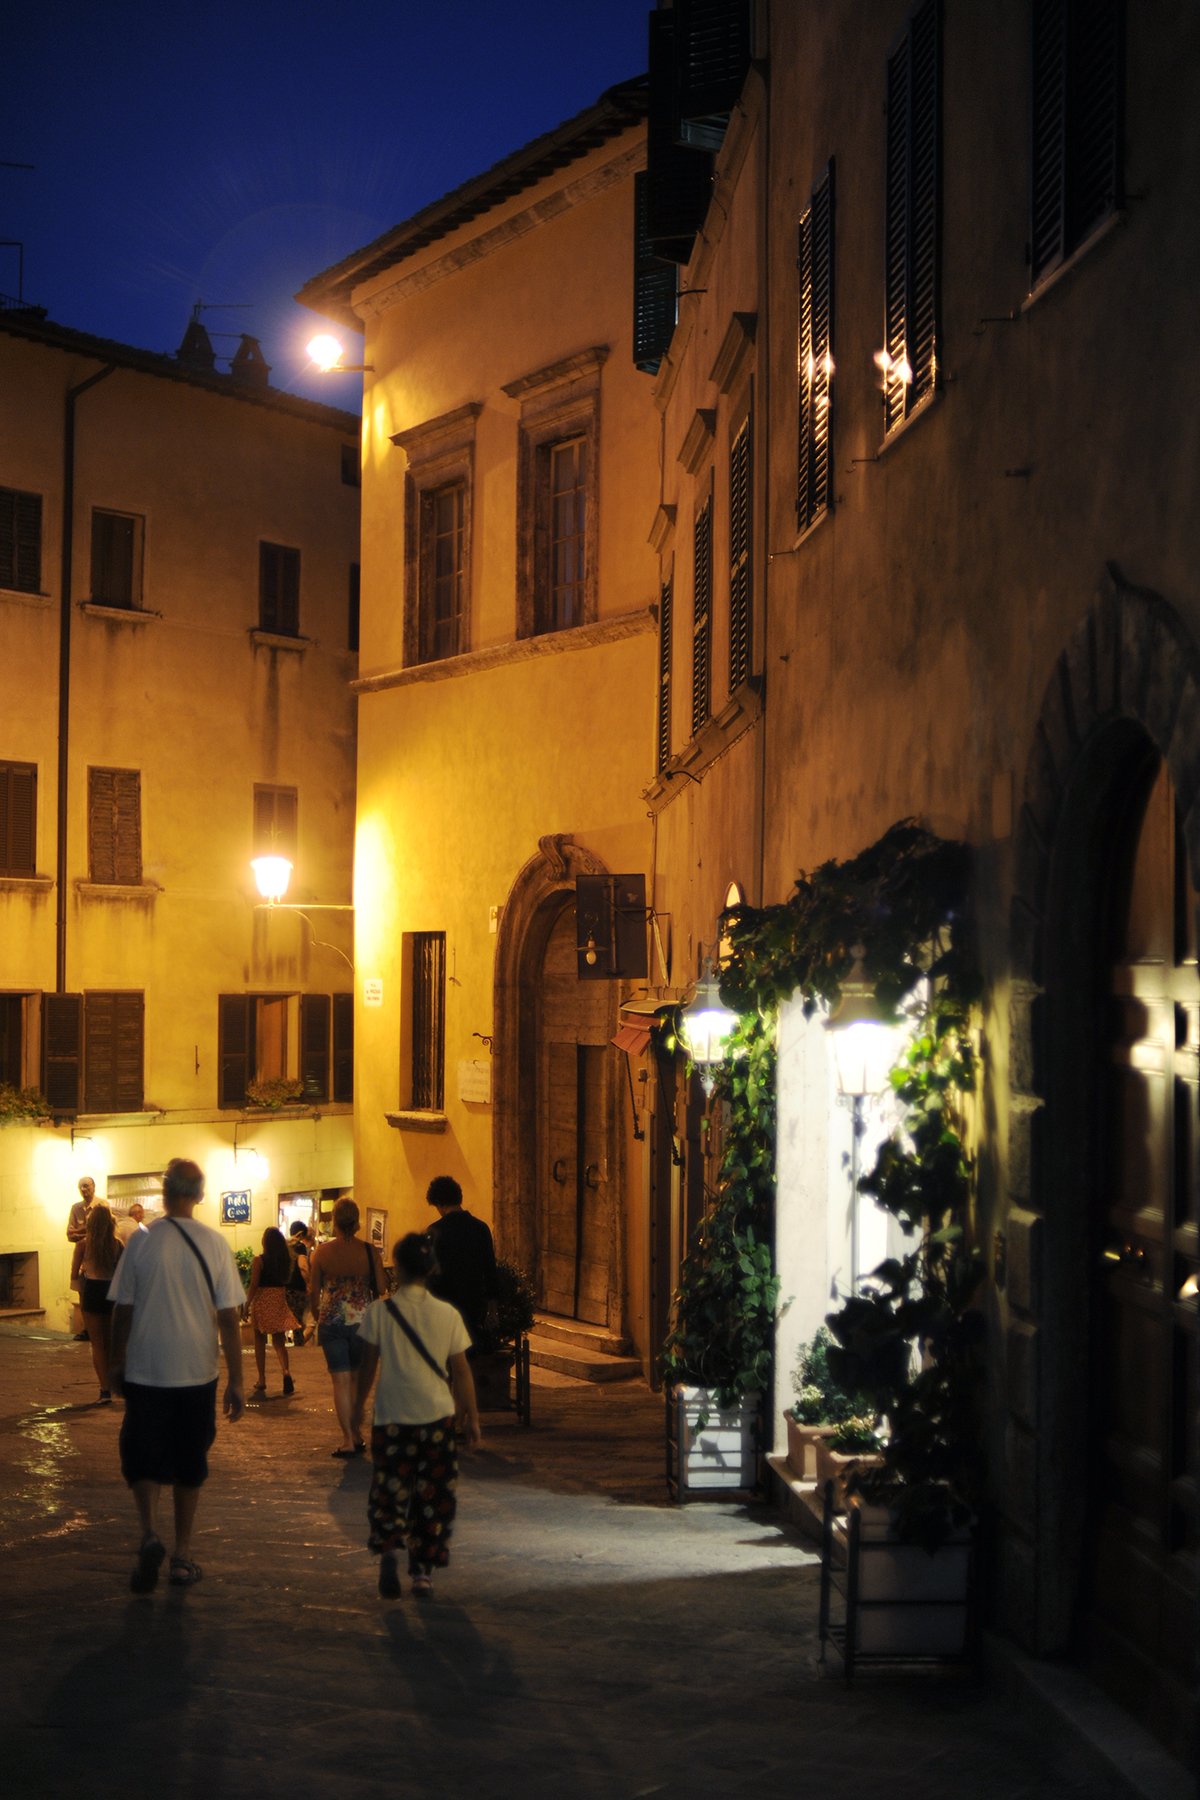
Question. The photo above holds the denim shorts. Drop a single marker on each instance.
(343, 1351)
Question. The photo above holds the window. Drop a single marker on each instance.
(351, 467)
(909, 358)
(279, 589)
(255, 1038)
(678, 176)
(327, 1047)
(443, 573)
(343, 1049)
(561, 589)
(1078, 99)
(116, 559)
(654, 290)
(557, 521)
(20, 541)
(702, 617)
(92, 1052)
(353, 608)
(428, 1020)
(18, 818)
(14, 1038)
(814, 360)
(663, 735)
(712, 47)
(741, 541)
(115, 827)
(275, 819)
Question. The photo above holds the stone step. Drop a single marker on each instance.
(597, 1338)
(584, 1365)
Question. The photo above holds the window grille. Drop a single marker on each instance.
(428, 1020)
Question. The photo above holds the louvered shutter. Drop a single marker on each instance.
(115, 826)
(129, 1013)
(18, 818)
(114, 542)
(20, 541)
(343, 1049)
(112, 1052)
(712, 57)
(1077, 125)
(702, 617)
(814, 490)
(1048, 183)
(62, 1042)
(654, 285)
(235, 1017)
(314, 1045)
(678, 180)
(741, 537)
(913, 203)
(665, 625)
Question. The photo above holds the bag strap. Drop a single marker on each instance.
(207, 1272)
(371, 1273)
(415, 1341)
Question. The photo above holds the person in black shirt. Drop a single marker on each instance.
(466, 1257)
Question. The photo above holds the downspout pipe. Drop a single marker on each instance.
(64, 668)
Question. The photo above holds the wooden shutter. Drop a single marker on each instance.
(20, 541)
(428, 1019)
(18, 818)
(115, 826)
(235, 1040)
(343, 1049)
(913, 205)
(654, 283)
(1077, 124)
(678, 179)
(62, 1043)
(279, 589)
(112, 1052)
(713, 54)
(702, 616)
(814, 487)
(114, 548)
(741, 562)
(314, 1045)
(275, 821)
(665, 626)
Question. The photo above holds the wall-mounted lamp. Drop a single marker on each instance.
(326, 352)
(865, 1046)
(272, 875)
(705, 1025)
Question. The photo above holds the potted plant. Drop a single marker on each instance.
(22, 1106)
(510, 1319)
(244, 1259)
(273, 1093)
(820, 1407)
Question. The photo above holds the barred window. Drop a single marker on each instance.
(428, 1020)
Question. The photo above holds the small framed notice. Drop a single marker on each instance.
(373, 990)
(377, 1228)
(475, 1082)
(235, 1206)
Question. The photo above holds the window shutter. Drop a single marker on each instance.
(129, 1010)
(18, 818)
(741, 540)
(665, 607)
(1047, 231)
(113, 545)
(713, 39)
(235, 1019)
(115, 826)
(702, 617)
(654, 285)
(814, 490)
(314, 1045)
(112, 1054)
(20, 541)
(913, 203)
(1077, 125)
(678, 180)
(343, 1049)
(62, 1036)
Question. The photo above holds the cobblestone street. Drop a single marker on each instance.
(589, 1638)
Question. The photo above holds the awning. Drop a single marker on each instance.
(632, 1038)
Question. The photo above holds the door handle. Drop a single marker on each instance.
(591, 1175)
(1121, 1254)
(558, 1170)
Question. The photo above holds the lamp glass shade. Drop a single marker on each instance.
(705, 1023)
(864, 1052)
(272, 874)
(325, 351)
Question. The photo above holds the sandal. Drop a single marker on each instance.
(423, 1586)
(343, 1455)
(144, 1578)
(184, 1572)
(389, 1578)
(260, 1389)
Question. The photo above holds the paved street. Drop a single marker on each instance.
(589, 1639)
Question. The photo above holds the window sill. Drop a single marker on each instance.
(919, 412)
(20, 597)
(278, 640)
(304, 1109)
(117, 615)
(417, 1121)
(143, 891)
(810, 530)
(473, 662)
(1069, 263)
(26, 884)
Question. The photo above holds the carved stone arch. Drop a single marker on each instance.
(1124, 692)
(536, 899)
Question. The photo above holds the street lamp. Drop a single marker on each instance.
(865, 1047)
(271, 875)
(705, 1025)
(326, 352)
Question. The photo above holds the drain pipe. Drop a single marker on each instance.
(64, 668)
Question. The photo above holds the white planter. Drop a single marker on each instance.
(718, 1457)
(909, 1602)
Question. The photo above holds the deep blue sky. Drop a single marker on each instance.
(227, 152)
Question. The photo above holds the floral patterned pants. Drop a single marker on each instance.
(412, 1500)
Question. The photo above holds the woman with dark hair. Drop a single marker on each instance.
(100, 1253)
(267, 1307)
(346, 1276)
(424, 1402)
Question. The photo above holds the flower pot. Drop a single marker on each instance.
(716, 1457)
(802, 1441)
(911, 1602)
(837, 1466)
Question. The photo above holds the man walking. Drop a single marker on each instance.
(175, 1291)
(76, 1227)
(466, 1256)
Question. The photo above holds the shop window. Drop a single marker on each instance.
(20, 541)
(115, 827)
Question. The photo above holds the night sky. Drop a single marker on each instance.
(226, 153)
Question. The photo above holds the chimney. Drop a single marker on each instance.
(196, 351)
(249, 364)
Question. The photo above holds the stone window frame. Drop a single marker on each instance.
(440, 452)
(558, 402)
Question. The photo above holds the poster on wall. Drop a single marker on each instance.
(235, 1206)
(377, 1228)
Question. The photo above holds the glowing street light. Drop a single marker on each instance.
(272, 874)
(326, 352)
(705, 1025)
(864, 1047)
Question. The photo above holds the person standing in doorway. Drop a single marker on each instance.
(466, 1256)
(176, 1292)
(76, 1226)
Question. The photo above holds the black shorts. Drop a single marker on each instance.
(166, 1433)
(93, 1297)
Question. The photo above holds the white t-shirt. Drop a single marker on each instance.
(173, 1335)
(408, 1392)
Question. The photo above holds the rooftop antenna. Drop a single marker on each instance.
(221, 306)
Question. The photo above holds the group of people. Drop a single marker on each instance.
(154, 1301)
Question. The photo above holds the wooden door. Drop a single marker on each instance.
(575, 1207)
(1141, 1573)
